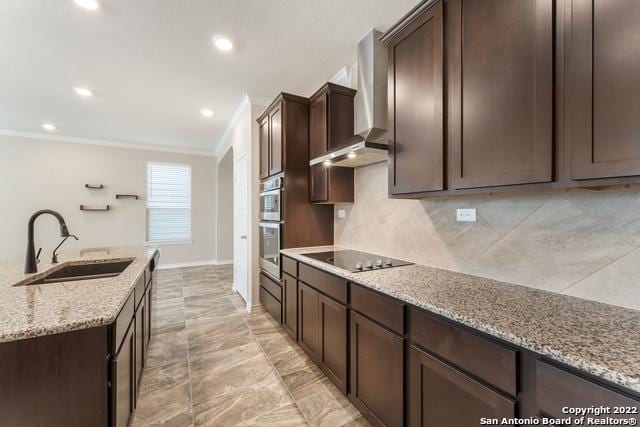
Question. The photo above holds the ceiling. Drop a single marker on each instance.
(152, 66)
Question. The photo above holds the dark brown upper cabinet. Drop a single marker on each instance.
(331, 184)
(275, 141)
(263, 135)
(500, 92)
(330, 119)
(604, 103)
(416, 126)
(330, 128)
(273, 132)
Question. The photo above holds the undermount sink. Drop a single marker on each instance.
(70, 273)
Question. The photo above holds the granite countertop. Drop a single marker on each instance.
(36, 310)
(597, 338)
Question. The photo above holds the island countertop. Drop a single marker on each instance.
(29, 311)
(597, 338)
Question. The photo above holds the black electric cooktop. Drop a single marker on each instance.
(356, 261)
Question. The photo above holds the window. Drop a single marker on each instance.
(168, 202)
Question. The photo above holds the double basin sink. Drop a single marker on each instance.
(75, 272)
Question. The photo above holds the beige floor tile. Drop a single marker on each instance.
(286, 416)
(322, 409)
(243, 404)
(212, 379)
(213, 363)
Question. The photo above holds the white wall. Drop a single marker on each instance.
(224, 207)
(242, 136)
(40, 174)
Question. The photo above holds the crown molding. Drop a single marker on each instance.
(107, 143)
(224, 144)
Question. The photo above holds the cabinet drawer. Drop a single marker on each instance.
(271, 304)
(557, 388)
(121, 324)
(327, 284)
(290, 266)
(485, 359)
(274, 288)
(139, 290)
(383, 310)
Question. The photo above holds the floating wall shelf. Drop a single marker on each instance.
(94, 186)
(127, 196)
(95, 208)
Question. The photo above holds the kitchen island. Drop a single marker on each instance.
(72, 352)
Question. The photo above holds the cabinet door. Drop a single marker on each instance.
(123, 380)
(308, 326)
(416, 126)
(340, 126)
(319, 186)
(557, 389)
(605, 89)
(318, 127)
(290, 311)
(263, 135)
(500, 91)
(148, 303)
(441, 396)
(140, 326)
(333, 340)
(275, 136)
(377, 370)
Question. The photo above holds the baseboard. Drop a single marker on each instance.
(187, 264)
(224, 261)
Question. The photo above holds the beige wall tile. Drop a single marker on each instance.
(616, 284)
(553, 242)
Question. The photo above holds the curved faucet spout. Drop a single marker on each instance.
(30, 262)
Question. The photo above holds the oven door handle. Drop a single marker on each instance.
(270, 224)
(270, 193)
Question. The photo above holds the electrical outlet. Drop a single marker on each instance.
(466, 215)
(342, 214)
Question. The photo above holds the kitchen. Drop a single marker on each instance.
(442, 232)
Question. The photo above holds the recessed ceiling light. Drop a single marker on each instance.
(48, 126)
(207, 112)
(222, 43)
(88, 4)
(82, 91)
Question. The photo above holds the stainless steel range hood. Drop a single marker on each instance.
(370, 144)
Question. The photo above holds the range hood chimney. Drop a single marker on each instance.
(371, 98)
(370, 140)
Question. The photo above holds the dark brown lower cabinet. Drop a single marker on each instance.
(148, 303)
(140, 327)
(557, 389)
(308, 321)
(377, 371)
(123, 371)
(333, 340)
(290, 305)
(442, 396)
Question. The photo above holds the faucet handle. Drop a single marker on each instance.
(38, 255)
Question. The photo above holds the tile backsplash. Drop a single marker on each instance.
(585, 244)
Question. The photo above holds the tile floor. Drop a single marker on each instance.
(211, 363)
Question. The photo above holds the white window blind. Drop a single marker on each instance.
(168, 202)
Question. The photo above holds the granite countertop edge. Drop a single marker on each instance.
(120, 287)
(545, 349)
